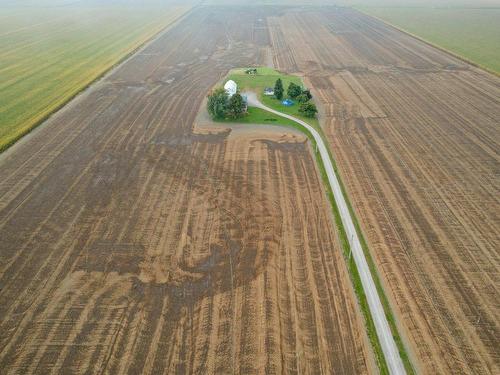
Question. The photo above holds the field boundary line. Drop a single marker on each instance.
(99, 78)
(430, 44)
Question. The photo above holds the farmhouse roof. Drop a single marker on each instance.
(231, 87)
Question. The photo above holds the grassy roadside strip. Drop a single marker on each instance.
(429, 43)
(373, 269)
(353, 270)
(351, 265)
(139, 46)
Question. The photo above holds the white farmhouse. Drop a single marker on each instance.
(231, 88)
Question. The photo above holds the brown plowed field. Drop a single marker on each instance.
(416, 135)
(131, 244)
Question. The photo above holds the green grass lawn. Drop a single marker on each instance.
(259, 116)
(50, 53)
(267, 77)
(472, 33)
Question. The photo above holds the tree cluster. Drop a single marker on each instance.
(304, 97)
(308, 109)
(294, 90)
(221, 106)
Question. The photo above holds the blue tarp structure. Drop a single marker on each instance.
(288, 102)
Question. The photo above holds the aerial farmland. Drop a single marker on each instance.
(139, 235)
(51, 51)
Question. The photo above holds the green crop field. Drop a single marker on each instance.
(472, 33)
(49, 53)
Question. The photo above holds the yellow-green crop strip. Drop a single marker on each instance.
(48, 54)
(472, 33)
(265, 78)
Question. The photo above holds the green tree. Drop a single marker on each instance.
(308, 109)
(217, 103)
(303, 98)
(236, 106)
(278, 89)
(294, 90)
(308, 94)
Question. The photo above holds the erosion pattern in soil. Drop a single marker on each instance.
(130, 244)
(416, 134)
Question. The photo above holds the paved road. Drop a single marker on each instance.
(389, 348)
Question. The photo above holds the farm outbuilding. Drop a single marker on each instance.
(231, 88)
(269, 91)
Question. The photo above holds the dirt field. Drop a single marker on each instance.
(416, 136)
(131, 244)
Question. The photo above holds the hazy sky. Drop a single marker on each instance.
(425, 3)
